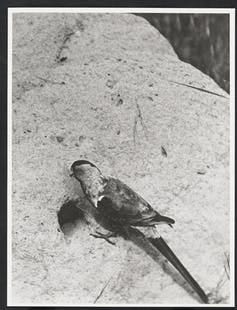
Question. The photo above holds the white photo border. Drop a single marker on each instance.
(231, 13)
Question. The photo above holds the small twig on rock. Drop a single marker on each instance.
(102, 290)
(163, 151)
(199, 88)
(141, 120)
(49, 81)
(139, 116)
(68, 33)
(215, 295)
(227, 266)
(135, 130)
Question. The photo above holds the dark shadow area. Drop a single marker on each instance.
(69, 215)
(72, 211)
(199, 39)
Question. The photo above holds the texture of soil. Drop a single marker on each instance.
(109, 88)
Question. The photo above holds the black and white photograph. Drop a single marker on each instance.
(120, 157)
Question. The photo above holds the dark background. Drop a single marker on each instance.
(199, 39)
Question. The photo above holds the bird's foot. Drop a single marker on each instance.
(106, 236)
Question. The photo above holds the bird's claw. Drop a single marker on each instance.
(105, 236)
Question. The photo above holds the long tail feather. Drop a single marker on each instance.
(162, 246)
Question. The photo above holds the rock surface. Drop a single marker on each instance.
(102, 87)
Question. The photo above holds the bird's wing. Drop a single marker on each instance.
(121, 203)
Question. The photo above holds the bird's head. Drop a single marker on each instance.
(83, 169)
(90, 178)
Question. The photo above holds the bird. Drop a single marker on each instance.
(125, 209)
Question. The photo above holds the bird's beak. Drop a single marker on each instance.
(72, 173)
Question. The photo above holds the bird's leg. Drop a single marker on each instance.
(106, 236)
